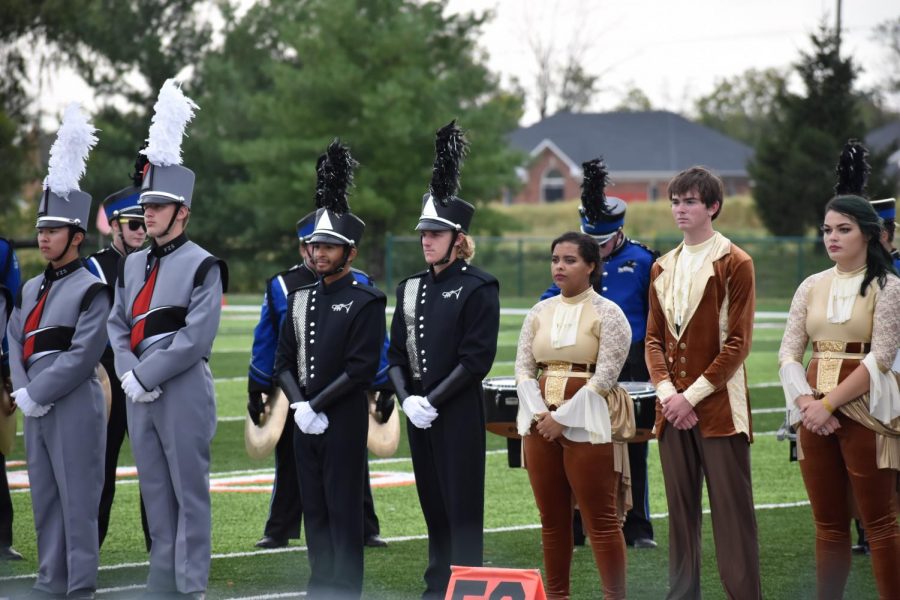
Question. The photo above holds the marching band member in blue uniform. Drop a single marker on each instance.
(126, 221)
(164, 321)
(887, 210)
(443, 343)
(57, 333)
(285, 508)
(326, 384)
(9, 286)
(625, 280)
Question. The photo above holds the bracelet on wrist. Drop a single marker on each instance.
(827, 405)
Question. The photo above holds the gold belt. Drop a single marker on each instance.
(827, 355)
(556, 375)
(831, 354)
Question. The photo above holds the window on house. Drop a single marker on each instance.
(553, 186)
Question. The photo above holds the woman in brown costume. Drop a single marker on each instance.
(847, 398)
(573, 415)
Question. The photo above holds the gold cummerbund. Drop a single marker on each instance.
(560, 380)
(832, 361)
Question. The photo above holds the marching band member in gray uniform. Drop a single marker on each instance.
(57, 333)
(326, 384)
(164, 320)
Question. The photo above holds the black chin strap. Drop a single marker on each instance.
(72, 232)
(340, 267)
(446, 258)
(178, 206)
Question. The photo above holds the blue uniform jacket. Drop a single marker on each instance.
(625, 281)
(10, 280)
(274, 309)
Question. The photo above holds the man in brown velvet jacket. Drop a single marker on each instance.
(698, 335)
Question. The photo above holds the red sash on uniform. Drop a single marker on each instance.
(32, 323)
(141, 306)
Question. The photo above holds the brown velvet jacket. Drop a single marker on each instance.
(705, 360)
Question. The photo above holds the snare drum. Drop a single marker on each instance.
(644, 396)
(501, 404)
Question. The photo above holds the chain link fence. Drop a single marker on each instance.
(522, 264)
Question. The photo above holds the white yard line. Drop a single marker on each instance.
(406, 538)
(246, 309)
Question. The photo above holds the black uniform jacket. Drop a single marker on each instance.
(443, 321)
(329, 330)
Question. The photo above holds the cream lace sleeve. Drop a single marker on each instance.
(795, 339)
(886, 329)
(884, 392)
(526, 366)
(615, 340)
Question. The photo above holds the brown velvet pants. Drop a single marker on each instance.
(687, 458)
(832, 466)
(562, 472)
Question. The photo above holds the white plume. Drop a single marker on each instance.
(172, 112)
(69, 152)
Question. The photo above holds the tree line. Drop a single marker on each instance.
(276, 82)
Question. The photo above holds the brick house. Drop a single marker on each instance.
(643, 151)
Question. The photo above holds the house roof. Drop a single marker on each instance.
(881, 138)
(635, 142)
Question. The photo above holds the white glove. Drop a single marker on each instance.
(419, 411)
(149, 396)
(29, 407)
(321, 422)
(132, 387)
(308, 420)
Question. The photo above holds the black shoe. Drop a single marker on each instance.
(268, 541)
(644, 543)
(9, 553)
(80, 595)
(860, 549)
(374, 541)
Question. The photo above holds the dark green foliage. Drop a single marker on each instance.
(381, 75)
(794, 166)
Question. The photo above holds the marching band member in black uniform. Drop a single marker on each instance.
(164, 321)
(9, 286)
(285, 508)
(126, 220)
(625, 279)
(326, 384)
(443, 343)
(57, 333)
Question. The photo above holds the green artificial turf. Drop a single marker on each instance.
(512, 537)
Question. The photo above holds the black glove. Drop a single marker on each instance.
(451, 385)
(255, 406)
(397, 377)
(384, 405)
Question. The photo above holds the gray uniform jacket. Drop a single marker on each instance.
(56, 339)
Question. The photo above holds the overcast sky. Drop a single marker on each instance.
(673, 50)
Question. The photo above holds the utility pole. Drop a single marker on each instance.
(837, 29)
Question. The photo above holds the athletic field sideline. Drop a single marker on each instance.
(512, 537)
